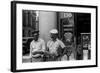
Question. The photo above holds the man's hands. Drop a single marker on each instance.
(37, 54)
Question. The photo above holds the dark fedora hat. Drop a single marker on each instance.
(36, 32)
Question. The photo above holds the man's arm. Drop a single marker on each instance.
(47, 48)
(62, 45)
(43, 46)
(61, 48)
(31, 50)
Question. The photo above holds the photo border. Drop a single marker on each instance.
(13, 34)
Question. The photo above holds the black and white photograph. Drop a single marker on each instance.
(53, 36)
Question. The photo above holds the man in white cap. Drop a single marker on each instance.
(37, 48)
(54, 45)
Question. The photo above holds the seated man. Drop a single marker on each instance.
(37, 48)
(54, 46)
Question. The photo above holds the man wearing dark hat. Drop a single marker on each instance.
(37, 47)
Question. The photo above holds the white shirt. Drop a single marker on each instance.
(37, 45)
(53, 46)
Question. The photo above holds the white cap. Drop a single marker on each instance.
(54, 31)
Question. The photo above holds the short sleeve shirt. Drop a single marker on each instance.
(37, 45)
(53, 46)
